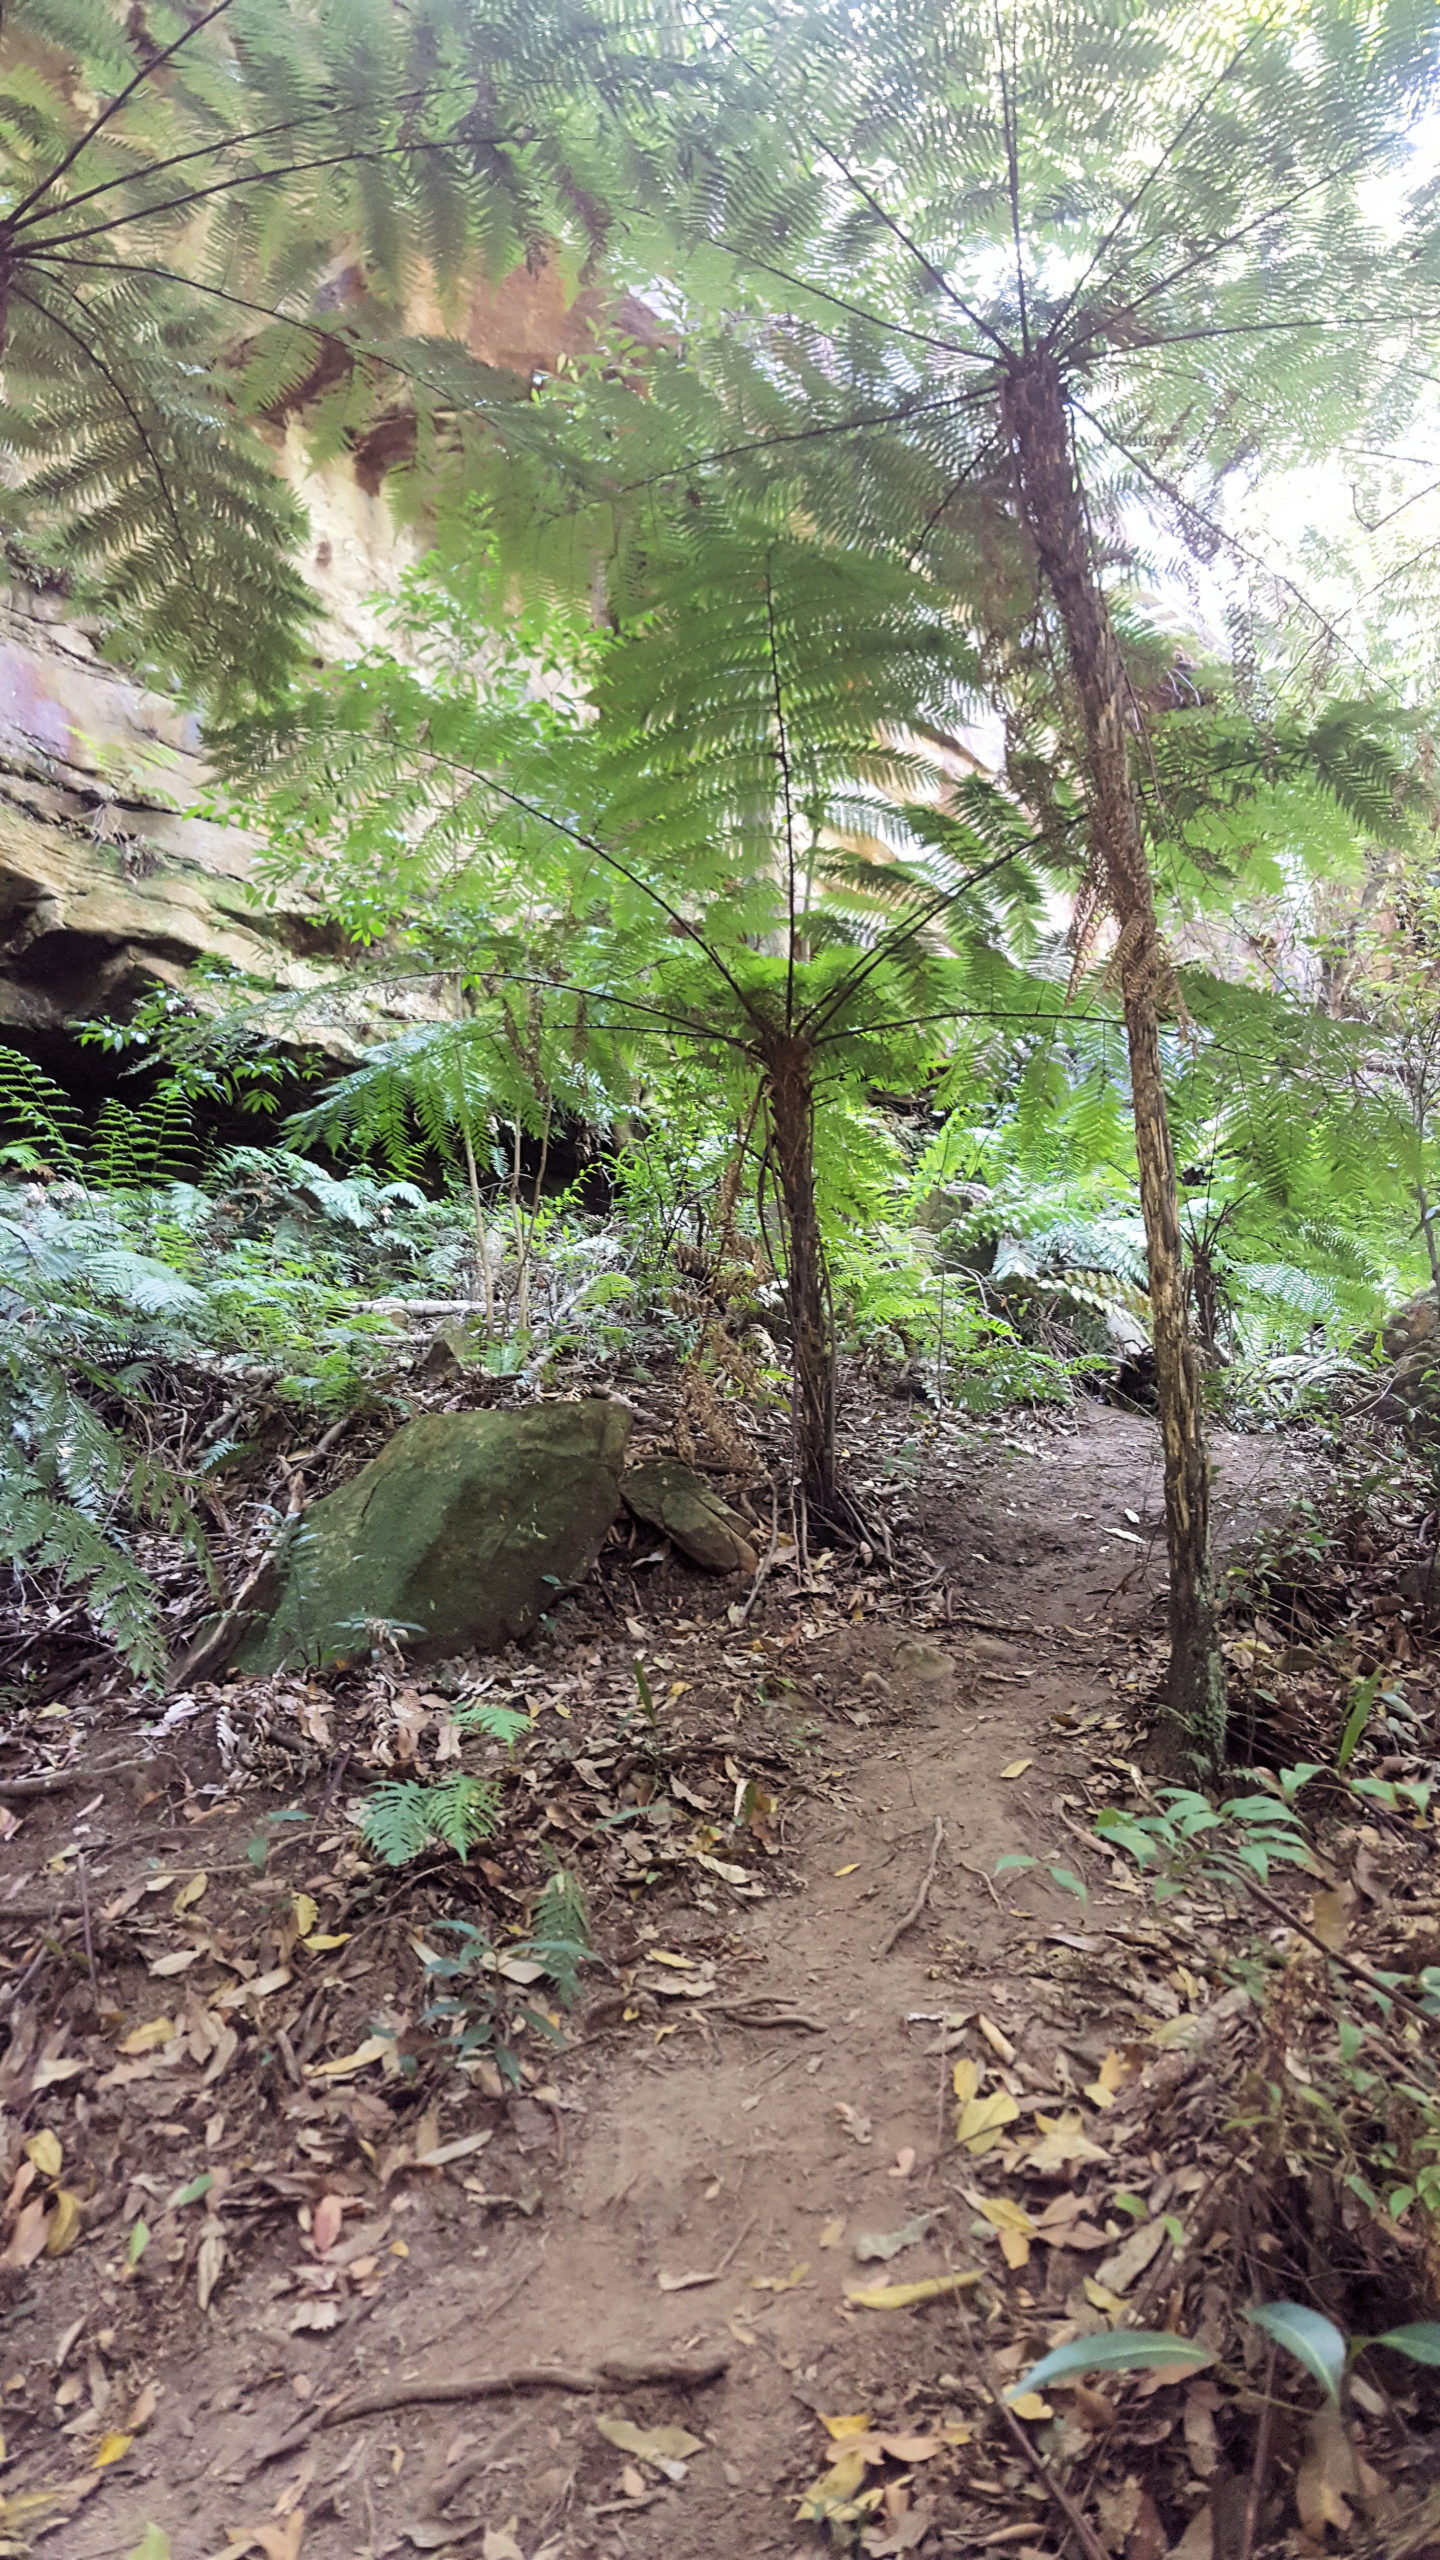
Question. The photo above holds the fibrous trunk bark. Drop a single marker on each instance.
(1049, 498)
(812, 1349)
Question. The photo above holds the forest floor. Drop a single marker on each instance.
(760, 2079)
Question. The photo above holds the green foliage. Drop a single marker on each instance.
(121, 1285)
(404, 1817)
(178, 193)
(477, 1975)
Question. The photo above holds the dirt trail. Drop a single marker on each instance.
(691, 2139)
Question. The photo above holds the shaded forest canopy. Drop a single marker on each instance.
(870, 881)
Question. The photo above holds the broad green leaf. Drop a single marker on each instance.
(1117, 2351)
(1419, 2340)
(1308, 2336)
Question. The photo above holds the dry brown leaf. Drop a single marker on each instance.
(209, 2259)
(997, 2040)
(1110, 2078)
(1132, 2257)
(189, 1893)
(1330, 1913)
(1063, 2143)
(325, 2229)
(1328, 2476)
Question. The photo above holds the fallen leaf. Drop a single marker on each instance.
(840, 2428)
(112, 2448)
(304, 1912)
(345, 2065)
(852, 1870)
(833, 2233)
(831, 2498)
(156, 2031)
(315, 2315)
(855, 2124)
(904, 2162)
(46, 2074)
(1031, 2404)
(781, 2284)
(142, 2408)
(1327, 2477)
(500, 2543)
(325, 2229)
(999, 2043)
(1132, 2257)
(1111, 2076)
(154, 2544)
(888, 2244)
(666, 2449)
(189, 1893)
(209, 2259)
(461, 2149)
(899, 2297)
(319, 1943)
(1014, 2225)
(1017, 1768)
(662, 1955)
(968, 2079)
(1330, 1916)
(1102, 2297)
(44, 2152)
(179, 1962)
(1063, 2143)
(63, 2229)
(981, 2121)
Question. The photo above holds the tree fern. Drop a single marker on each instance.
(179, 188)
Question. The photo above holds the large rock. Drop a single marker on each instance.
(463, 1530)
(668, 1495)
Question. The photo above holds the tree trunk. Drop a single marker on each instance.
(812, 1349)
(1039, 428)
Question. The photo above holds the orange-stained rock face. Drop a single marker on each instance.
(105, 883)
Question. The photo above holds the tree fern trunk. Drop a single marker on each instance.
(812, 1347)
(1049, 499)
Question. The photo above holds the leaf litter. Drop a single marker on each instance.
(1046, 2138)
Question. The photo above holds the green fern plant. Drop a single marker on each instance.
(403, 1816)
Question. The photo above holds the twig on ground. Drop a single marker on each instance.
(907, 1921)
(634, 2373)
(765, 2013)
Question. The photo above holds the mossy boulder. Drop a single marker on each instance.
(458, 1535)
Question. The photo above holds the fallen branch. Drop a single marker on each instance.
(893, 1936)
(765, 2013)
(621, 2373)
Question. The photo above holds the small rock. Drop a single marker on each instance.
(668, 1495)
